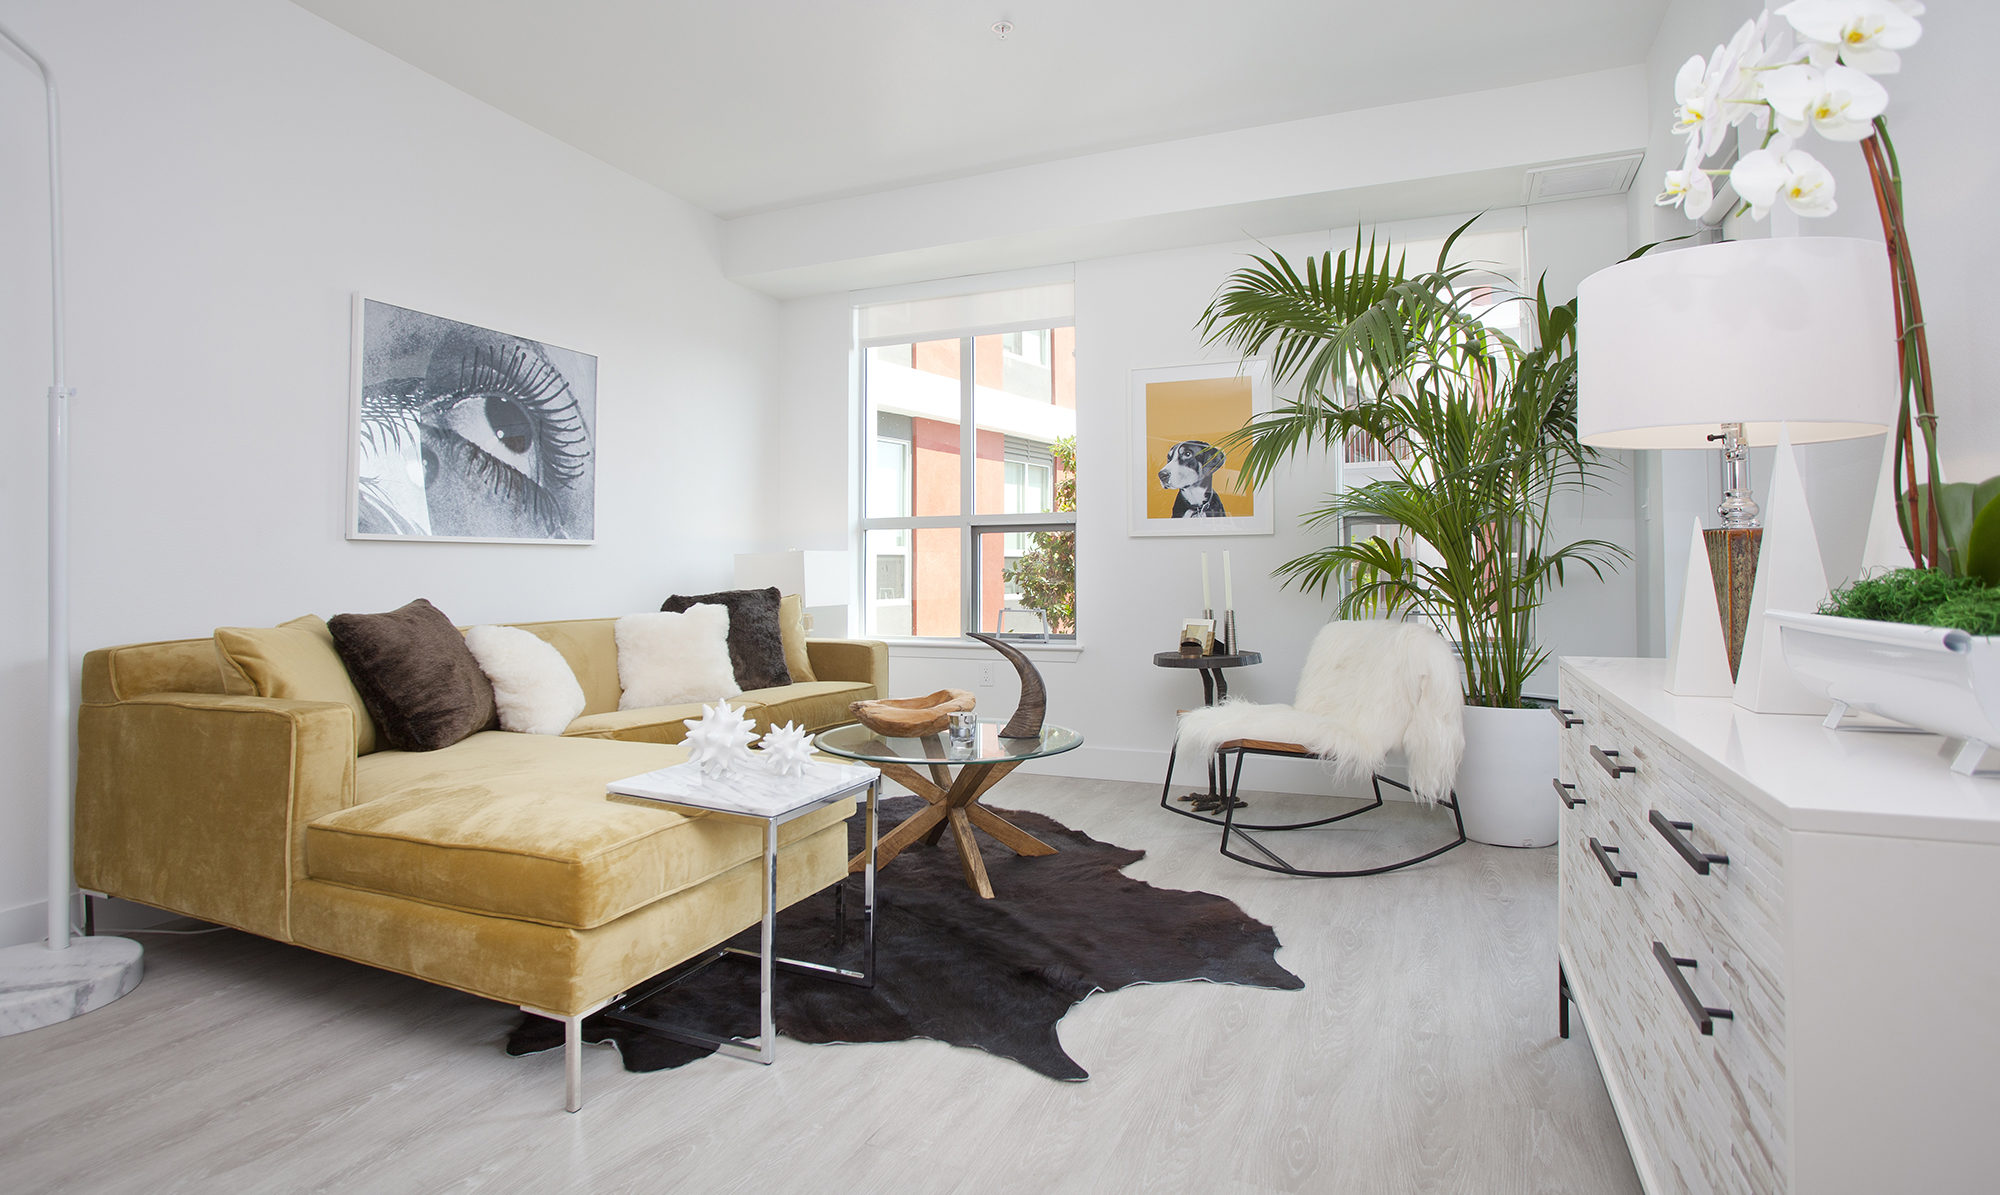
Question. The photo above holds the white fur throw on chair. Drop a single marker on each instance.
(1368, 687)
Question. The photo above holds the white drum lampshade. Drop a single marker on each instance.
(1791, 330)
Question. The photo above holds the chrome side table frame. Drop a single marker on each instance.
(763, 1048)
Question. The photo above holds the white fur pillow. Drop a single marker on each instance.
(673, 659)
(532, 684)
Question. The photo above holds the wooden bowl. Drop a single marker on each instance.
(909, 717)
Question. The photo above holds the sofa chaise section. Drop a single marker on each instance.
(496, 866)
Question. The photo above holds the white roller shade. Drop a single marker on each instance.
(957, 315)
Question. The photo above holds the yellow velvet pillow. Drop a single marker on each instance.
(295, 660)
(792, 629)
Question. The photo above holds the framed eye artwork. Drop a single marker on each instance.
(463, 433)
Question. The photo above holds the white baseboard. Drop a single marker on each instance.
(1260, 773)
(27, 924)
(23, 925)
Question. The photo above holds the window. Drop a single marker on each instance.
(1499, 256)
(969, 519)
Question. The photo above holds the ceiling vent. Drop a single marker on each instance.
(1582, 180)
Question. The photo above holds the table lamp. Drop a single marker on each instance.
(822, 579)
(1735, 345)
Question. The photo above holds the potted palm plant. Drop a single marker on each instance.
(1481, 432)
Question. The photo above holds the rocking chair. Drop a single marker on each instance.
(1367, 688)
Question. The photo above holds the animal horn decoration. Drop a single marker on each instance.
(1027, 720)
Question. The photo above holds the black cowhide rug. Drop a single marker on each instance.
(995, 974)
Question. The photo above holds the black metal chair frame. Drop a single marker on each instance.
(1219, 766)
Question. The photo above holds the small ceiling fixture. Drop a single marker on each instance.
(1002, 28)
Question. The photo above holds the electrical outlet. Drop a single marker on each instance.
(986, 675)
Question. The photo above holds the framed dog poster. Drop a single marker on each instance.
(1182, 483)
(464, 433)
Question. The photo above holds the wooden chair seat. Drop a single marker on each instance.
(1267, 745)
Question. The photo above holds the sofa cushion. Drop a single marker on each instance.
(673, 658)
(294, 660)
(417, 676)
(792, 629)
(657, 724)
(533, 688)
(815, 706)
(519, 826)
(756, 646)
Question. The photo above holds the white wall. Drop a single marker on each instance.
(1949, 173)
(1135, 312)
(236, 169)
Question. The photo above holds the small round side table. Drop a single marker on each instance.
(1214, 685)
(1214, 688)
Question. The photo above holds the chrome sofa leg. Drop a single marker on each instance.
(572, 1048)
(572, 1063)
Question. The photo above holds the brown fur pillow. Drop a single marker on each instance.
(417, 677)
(756, 645)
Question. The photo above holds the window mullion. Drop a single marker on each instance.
(968, 485)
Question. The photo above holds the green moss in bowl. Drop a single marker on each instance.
(1919, 597)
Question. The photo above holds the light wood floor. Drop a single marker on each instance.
(1421, 1056)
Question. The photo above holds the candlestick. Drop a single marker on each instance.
(1206, 604)
(1228, 590)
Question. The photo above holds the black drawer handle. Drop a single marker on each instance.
(1565, 718)
(1698, 859)
(1564, 791)
(1704, 1016)
(1608, 760)
(1611, 870)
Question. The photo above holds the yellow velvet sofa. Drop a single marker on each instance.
(495, 866)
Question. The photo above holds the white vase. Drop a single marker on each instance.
(1933, 678)
(1503, 782)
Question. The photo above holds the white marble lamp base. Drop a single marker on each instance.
(39, 986)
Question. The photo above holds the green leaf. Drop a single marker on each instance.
(1957, 503)
(1982, 543)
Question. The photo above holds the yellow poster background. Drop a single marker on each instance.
(1205, 409)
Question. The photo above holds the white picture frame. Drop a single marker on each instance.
(1172, 407)
(461, 434)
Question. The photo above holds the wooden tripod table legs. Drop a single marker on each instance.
(952, 804)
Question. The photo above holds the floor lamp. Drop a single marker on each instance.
(52, 981)
(1732, 346)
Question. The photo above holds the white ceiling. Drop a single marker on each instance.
(747, 105)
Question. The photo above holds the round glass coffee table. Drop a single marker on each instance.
(952, 779)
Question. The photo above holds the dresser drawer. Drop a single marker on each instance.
(1729, 1084)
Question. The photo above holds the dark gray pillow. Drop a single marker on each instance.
(756, 644)
(416, 676)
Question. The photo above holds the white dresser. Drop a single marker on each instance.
(1821, 1012)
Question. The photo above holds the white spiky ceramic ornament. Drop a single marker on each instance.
(788, 748)
(719, 740)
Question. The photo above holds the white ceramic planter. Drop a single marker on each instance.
(1503, 781)
(1933, 678)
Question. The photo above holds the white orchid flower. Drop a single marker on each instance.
(1688, 188)
(1714, 94)
(1863, 34)
(1694, 107)
(1741, 65)
(1764, 177)
(1840, 103)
